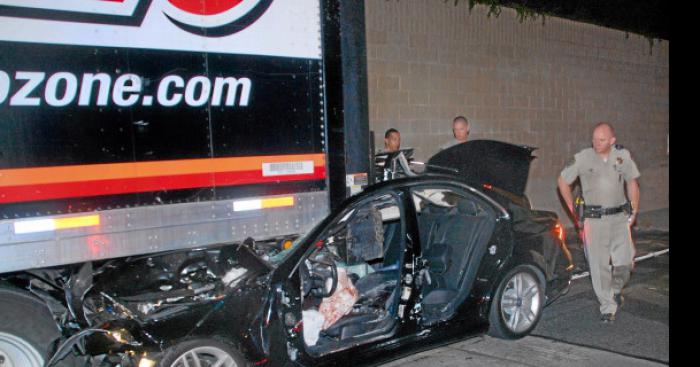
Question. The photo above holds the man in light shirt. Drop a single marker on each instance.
(460, 130)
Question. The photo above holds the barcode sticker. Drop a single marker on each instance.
(288, 168)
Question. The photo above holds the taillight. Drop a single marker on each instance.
(559, 231)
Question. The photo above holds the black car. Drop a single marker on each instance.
(404, 266)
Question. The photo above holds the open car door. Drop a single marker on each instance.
(350, 279)
(455, 228)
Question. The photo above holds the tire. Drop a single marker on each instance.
(208, 351)
(26, 329)
(517, 304)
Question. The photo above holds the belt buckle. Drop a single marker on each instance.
(611, 211)
(593, 212)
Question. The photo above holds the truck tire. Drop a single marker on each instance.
(26, 329)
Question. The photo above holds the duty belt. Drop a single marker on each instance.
(597, 211)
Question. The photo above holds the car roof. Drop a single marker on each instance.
(427, 178)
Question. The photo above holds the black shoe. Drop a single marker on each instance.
(619, 299)
(607, 317)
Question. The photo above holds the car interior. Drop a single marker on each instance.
(350, 280)
(454, 230)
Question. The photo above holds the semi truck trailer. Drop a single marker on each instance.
(131, 127)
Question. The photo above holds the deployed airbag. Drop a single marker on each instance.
(340, 302)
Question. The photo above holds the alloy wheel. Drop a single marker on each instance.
(520, 302)
(206, 356)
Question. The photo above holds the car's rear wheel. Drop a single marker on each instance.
(202, 352)
(517, 305)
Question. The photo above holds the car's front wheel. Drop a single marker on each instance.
(517, 305)
(202, 352)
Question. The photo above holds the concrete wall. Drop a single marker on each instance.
(543, 84)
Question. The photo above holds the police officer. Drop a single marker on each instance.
(605, 171)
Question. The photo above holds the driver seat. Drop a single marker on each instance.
(351, 325)
(371, 311)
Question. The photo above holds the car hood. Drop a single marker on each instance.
(160, 298)
(486, 162)
(159, 286)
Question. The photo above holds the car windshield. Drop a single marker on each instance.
(280, 256)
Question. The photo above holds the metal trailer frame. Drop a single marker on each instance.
(149, 229)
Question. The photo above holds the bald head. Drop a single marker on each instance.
(604, 126)
(460, 128)
(603, 138)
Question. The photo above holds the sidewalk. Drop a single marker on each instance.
(526, 352)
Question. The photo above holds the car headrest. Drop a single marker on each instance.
(466, 207)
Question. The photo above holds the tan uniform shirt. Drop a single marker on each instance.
(602, 183)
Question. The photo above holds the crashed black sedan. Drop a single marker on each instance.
(403, 266)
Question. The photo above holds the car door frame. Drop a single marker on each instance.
(287, 282)
(502, 243)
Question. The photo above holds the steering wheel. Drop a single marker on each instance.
(320, 278)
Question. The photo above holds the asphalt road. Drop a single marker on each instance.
(570, 332)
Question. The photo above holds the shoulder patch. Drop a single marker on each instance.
(571, 162)
(619, 146)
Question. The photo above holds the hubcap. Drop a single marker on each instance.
(16, 352)
(520, 302)
(205, 357)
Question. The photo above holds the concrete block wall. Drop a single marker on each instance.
(543, 84)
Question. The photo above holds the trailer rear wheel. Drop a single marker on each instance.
(26, 329)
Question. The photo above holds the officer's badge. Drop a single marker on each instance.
(619, 160)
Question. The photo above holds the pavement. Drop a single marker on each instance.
(641, 328)
(570, 332)
(530, 351)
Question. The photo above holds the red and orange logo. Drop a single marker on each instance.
(209, 18)
(215, 18)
